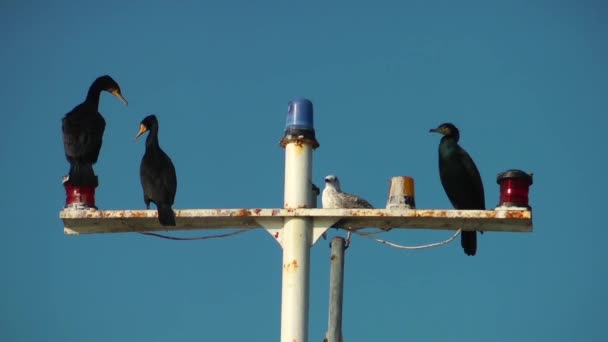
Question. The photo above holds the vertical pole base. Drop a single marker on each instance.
(336, 290)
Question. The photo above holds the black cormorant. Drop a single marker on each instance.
(157, 173)
(460, 179)
(83, 132)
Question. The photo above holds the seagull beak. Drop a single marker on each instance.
(142, 129)
(117, 93)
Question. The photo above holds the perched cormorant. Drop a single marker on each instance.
(460, 179)
(83, 132)
(157, 173)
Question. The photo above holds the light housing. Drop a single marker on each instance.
(401, 193)
(79, 197)
(299, 123)
(514, 188)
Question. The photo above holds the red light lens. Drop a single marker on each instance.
(83, 195)
(514, 191)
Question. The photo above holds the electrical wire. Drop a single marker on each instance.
(348, 238)
(195, 238)
(436, 244)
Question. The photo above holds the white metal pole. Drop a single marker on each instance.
(299, 141)
(297, 238)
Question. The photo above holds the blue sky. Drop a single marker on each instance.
(525, 81)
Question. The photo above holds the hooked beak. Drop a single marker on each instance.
(117, 93)
(142, 129)
(436, 130)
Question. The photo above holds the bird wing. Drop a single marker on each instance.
(475, 180)
(158, 177)
(171, 185)
(461, 180)
(353, 201)
(82, 135)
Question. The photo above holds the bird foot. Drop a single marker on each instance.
(347, 242)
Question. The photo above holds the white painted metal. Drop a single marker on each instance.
(296, 241)
(298, 175)
(320, 226)
(295, 289)
(122, 221)
(274, 227)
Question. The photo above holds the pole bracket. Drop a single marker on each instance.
(274, 227)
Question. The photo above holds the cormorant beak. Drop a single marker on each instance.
(117, 93)
(437, 130)
(142, 129)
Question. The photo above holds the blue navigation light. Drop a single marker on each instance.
(299, 115)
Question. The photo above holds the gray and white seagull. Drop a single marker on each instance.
(334, 198)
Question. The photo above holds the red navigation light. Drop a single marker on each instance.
(79, 197)
(514, 188)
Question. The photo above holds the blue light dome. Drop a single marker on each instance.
(300, 115)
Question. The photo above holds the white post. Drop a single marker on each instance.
(299, 141)
(297, 239)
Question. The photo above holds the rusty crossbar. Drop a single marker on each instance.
(114, 221)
